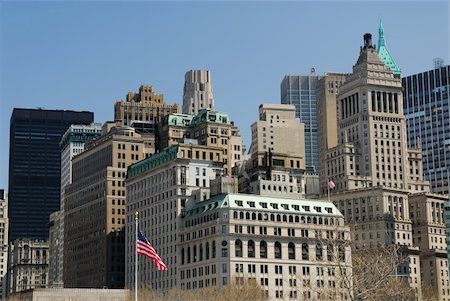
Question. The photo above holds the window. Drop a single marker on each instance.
(305, 251)
(251, 248)
(319, 250)
(291, 250)
(277, 250)
(238, 248)
(263, 249)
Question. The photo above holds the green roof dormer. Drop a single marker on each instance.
(384, 54)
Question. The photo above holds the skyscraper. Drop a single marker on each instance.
(426, 108)
(94, 215)
(72, 143)
(300, 91)
(379, 185)
(327, 116)
(197, 92)
(34, 167)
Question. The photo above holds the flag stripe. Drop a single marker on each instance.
(143, 247)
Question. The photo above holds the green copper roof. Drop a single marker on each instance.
(383, 52)
(179, 119)
(153, 161)
(210, 116)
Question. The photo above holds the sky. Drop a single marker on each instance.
(86, 55)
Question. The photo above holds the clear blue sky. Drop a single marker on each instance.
(86, 55)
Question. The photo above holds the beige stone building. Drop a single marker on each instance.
(427, 214)
(143, 110)
(295, 249)
(209, 128)
(375, 174)
(276, 162)
(27, 265)
(95, 209)
(159, 188)
(327, 116)
(4, 228)
(197, 92)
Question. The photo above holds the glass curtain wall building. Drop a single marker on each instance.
(426, 108)
(35, 168)
(300, 91)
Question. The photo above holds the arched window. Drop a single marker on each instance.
(253, 216)
(330, 252)
(241, 215)
(207, 250)
(251, 248)
(319, 250)
(278, 218)
(284, 218)
(235, 215)
(291, 250)
(272, 217)
(297, 219)
(263, 249)
(188, 255)
(259, 216)
(305, 252)
(247, 215)
(291, 219)
(238, 248)
(213, 251)
(277, 249)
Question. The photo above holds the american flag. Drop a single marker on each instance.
(143, 247)
(331, 184)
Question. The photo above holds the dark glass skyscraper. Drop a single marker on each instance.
(34, 167)
(300, 91)
(426, 108)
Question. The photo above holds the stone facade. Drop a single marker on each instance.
(159, 189)
(293, 248)
(27, 265)
(197, 92)
(95, 210)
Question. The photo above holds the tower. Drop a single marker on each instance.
(197, 92)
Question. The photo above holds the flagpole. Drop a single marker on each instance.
(136, 261)
(328, 188)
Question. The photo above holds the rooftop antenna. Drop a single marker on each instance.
(313, 70)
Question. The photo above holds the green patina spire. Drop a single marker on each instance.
(383, 52)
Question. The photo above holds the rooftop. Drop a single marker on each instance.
(266, 203)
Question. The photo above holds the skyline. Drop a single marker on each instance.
(45, 48)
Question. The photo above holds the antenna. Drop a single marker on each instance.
(313, 70)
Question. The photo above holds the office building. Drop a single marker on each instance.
(427, 214)
(143, 110)
(276, 165)
(197, 92)
(447, 228)
(300, 91)
(293, 248)
(34, 168)
(95, 210)
(72, 144)
(207, 128)
(426, 107)
(4, 225)
(327, 116)
(159, 189)
(27, 265)
(373, 169)
(54, 249)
